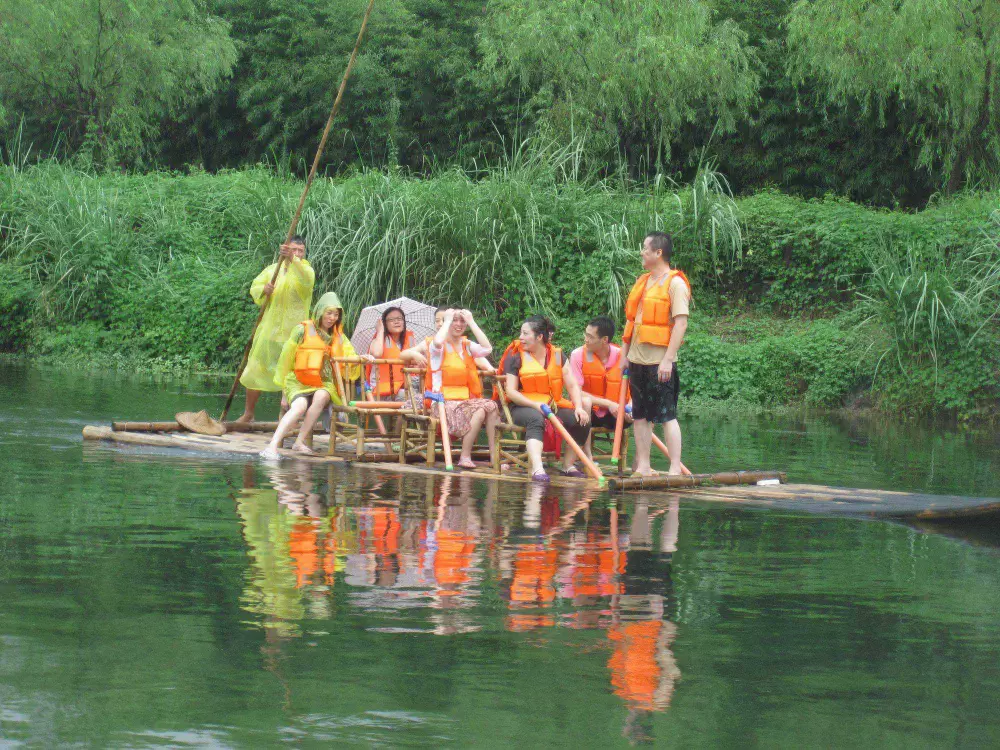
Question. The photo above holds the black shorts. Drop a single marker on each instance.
(652, 400)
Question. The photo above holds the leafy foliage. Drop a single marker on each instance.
(624, 76)
(938, 58)
(105, 72)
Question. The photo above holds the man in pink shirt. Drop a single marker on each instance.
(597, 367)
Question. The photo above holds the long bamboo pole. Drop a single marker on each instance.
(302, 201)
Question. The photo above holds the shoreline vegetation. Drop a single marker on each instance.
(819, 303)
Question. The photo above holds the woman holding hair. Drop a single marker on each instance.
(450, 359)
(535, 373)
(391, 339)
(305, 372)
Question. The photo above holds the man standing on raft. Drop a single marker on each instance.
(657, 315)
(291, 296)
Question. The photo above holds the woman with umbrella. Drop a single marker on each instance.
(452, 372)
(391, 338)
(305, 371)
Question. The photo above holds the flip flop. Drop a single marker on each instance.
(574, 472)
(541, 477)
(469, 465)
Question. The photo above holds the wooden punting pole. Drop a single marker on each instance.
(663, 481)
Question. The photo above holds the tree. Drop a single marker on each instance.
(106, 71)
(938, 58)
(625, 74)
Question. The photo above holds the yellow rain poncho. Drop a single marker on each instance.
(284, 376)
(289, 306)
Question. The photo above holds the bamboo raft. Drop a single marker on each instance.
(732, 488)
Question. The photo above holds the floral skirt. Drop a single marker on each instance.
(460, 413)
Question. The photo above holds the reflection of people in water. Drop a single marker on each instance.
(453, 538)
(642, 665)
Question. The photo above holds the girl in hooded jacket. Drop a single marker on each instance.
(305, 371)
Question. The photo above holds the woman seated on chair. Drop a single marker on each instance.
(534, 373)
(450, 359)
(391, 339)
(306, 375)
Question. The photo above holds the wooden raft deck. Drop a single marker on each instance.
(785, 497)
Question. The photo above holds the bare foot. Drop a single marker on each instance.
(269, 454)
(303, 448)
(244, 418)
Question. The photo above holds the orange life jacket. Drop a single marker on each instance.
(390, 377)
(656, 322)
(309, 356)
(542, 384)
(600, 382)
(459, 374)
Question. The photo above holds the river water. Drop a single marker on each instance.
(152, 598)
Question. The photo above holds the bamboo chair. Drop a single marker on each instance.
(419, 438)
(360, 431)
(602, 440)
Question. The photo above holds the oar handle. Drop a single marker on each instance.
(595, 472)
(616, 449)
(438, 399)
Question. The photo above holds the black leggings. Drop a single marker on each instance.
(534, 423)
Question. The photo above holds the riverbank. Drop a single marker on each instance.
(798, 303)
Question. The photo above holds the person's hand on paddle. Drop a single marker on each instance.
(268, 289)
(286, 252)
(665, 370)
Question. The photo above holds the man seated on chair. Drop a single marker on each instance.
(597, 366)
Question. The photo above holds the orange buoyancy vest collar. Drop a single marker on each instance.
(309, 356)
(542, 383)
(459, 376)
(598, 381)
(390, 377)
(656, 322)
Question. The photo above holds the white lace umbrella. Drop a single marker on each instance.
(419, 320)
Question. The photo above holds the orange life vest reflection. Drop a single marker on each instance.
(643, 668)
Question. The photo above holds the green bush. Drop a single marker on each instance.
(158, 266)
(18, 298)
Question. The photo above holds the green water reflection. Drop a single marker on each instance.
(151, 598)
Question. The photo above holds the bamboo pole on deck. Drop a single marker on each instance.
(666, 481)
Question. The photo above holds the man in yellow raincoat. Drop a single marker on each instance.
(291, 296)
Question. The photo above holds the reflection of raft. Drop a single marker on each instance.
(728, 487)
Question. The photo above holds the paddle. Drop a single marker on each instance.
(616, 451)
(595, 472)
(302, 201)
(445, 437)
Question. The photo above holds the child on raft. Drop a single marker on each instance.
(305, 372)
(451, 362)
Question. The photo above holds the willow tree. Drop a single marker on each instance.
(104, 72)
(625, 75)
(936, 58)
